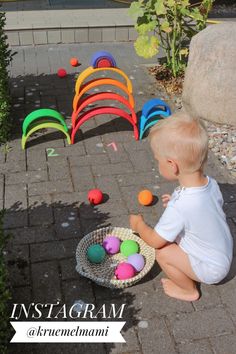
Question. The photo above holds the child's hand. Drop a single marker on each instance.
(165, 199)
(134, 220)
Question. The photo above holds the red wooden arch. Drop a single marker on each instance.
(98, 97)
(103, 110)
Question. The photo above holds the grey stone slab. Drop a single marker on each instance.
(67, 224)
(117, 156)
(210, 298)
(58, 169)
(40, 211)
(131, 346)
(87, 160)
(16, 197)
(141, 160)
(197, 347)
(49, 187)
(95, 34)
(1, 186)
(224, 344)
(230, 209)
(113, 209)
(19, 275)
(113, 169)
(67, 35)
(74, 199)
(17, 253)
(227, 292)
(26, 177)
(1, 204)
(15, 219)
(28, 235)
(200, 324)
(13, 38)
(40, 37)
(16, 166)
(49, 250)
(81, 35)
(109, 186)
(46, 282)
(132, 35)
(78, 289)
(54, 36)
(141, 179)
(94, 145)
(82, 178)
(21, 295)
(71, 150)
(122, 34)
(68, 271)
(26, 37)
(36, 164)
(155, 338)
(108, 34)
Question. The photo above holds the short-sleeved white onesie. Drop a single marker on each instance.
(195, 220)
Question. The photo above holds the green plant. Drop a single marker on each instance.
(168, 24)
(5, 59)
(4, 292)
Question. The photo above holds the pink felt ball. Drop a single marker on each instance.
(137, 261)
(124, 271)
(95, 196)
(61, 72)
(111, 244)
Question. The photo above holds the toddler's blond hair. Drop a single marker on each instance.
(182, 138)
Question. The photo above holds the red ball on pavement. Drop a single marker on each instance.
(61, 72)
(95, 196)
(74, 62)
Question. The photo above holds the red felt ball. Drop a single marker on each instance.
(104, 63)
(61, 72)
(74, 62)
(95, 196)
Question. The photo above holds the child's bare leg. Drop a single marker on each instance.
(175, 263)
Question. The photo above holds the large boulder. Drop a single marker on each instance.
(210, 82)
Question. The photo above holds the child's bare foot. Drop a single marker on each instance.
(172, 290)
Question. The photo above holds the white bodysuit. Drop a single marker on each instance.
(195, 220)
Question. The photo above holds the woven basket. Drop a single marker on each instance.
(103, 273)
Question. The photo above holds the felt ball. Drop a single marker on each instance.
(111, 244)
(104, 63)
(137, 261)
(74, 62)
(61, 72)
(124, 271)
(95, 196)
(145, 197)
(129, 247)
(96, 253)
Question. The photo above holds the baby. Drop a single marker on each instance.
(192, 239)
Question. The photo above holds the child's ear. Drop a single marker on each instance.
(174, 166)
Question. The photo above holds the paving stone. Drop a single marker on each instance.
(196, 347)
(64, 199)
(40, 37)
(112, 169)
(14, 219)
(122, 34)
(71, 150)
(141, 179)
(68, 271)
(227, 292)
(54, 36)
(94, 145)
(77, 289)
(200, 324)
(16, 166)
(40, 211)
(16, 197)
(53, 250)
(108, 34)
(224, 344)
(46, 282)
(1, 204)
(18, 275)
(155, 339)
(36, 163)
(26, 38)
(67, 36)
(131, 346)
(113, 209)
(228, 191)
(82, 178)
(26, 177)
(50, 187)
(117, 156)
(27, 235)
(21, 295)
(58, 170)
(1, 186)
(88, 160)
(230, 209)
(210, 298)
(95, 35)
(81, 35)
(67, 223)
(109, 186)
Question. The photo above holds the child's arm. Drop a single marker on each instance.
(149, 235)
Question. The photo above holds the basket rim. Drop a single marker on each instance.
(114, 282)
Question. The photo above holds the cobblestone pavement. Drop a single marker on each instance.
(48, 213)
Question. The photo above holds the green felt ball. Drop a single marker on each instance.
(96, 253)
(129, 247)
